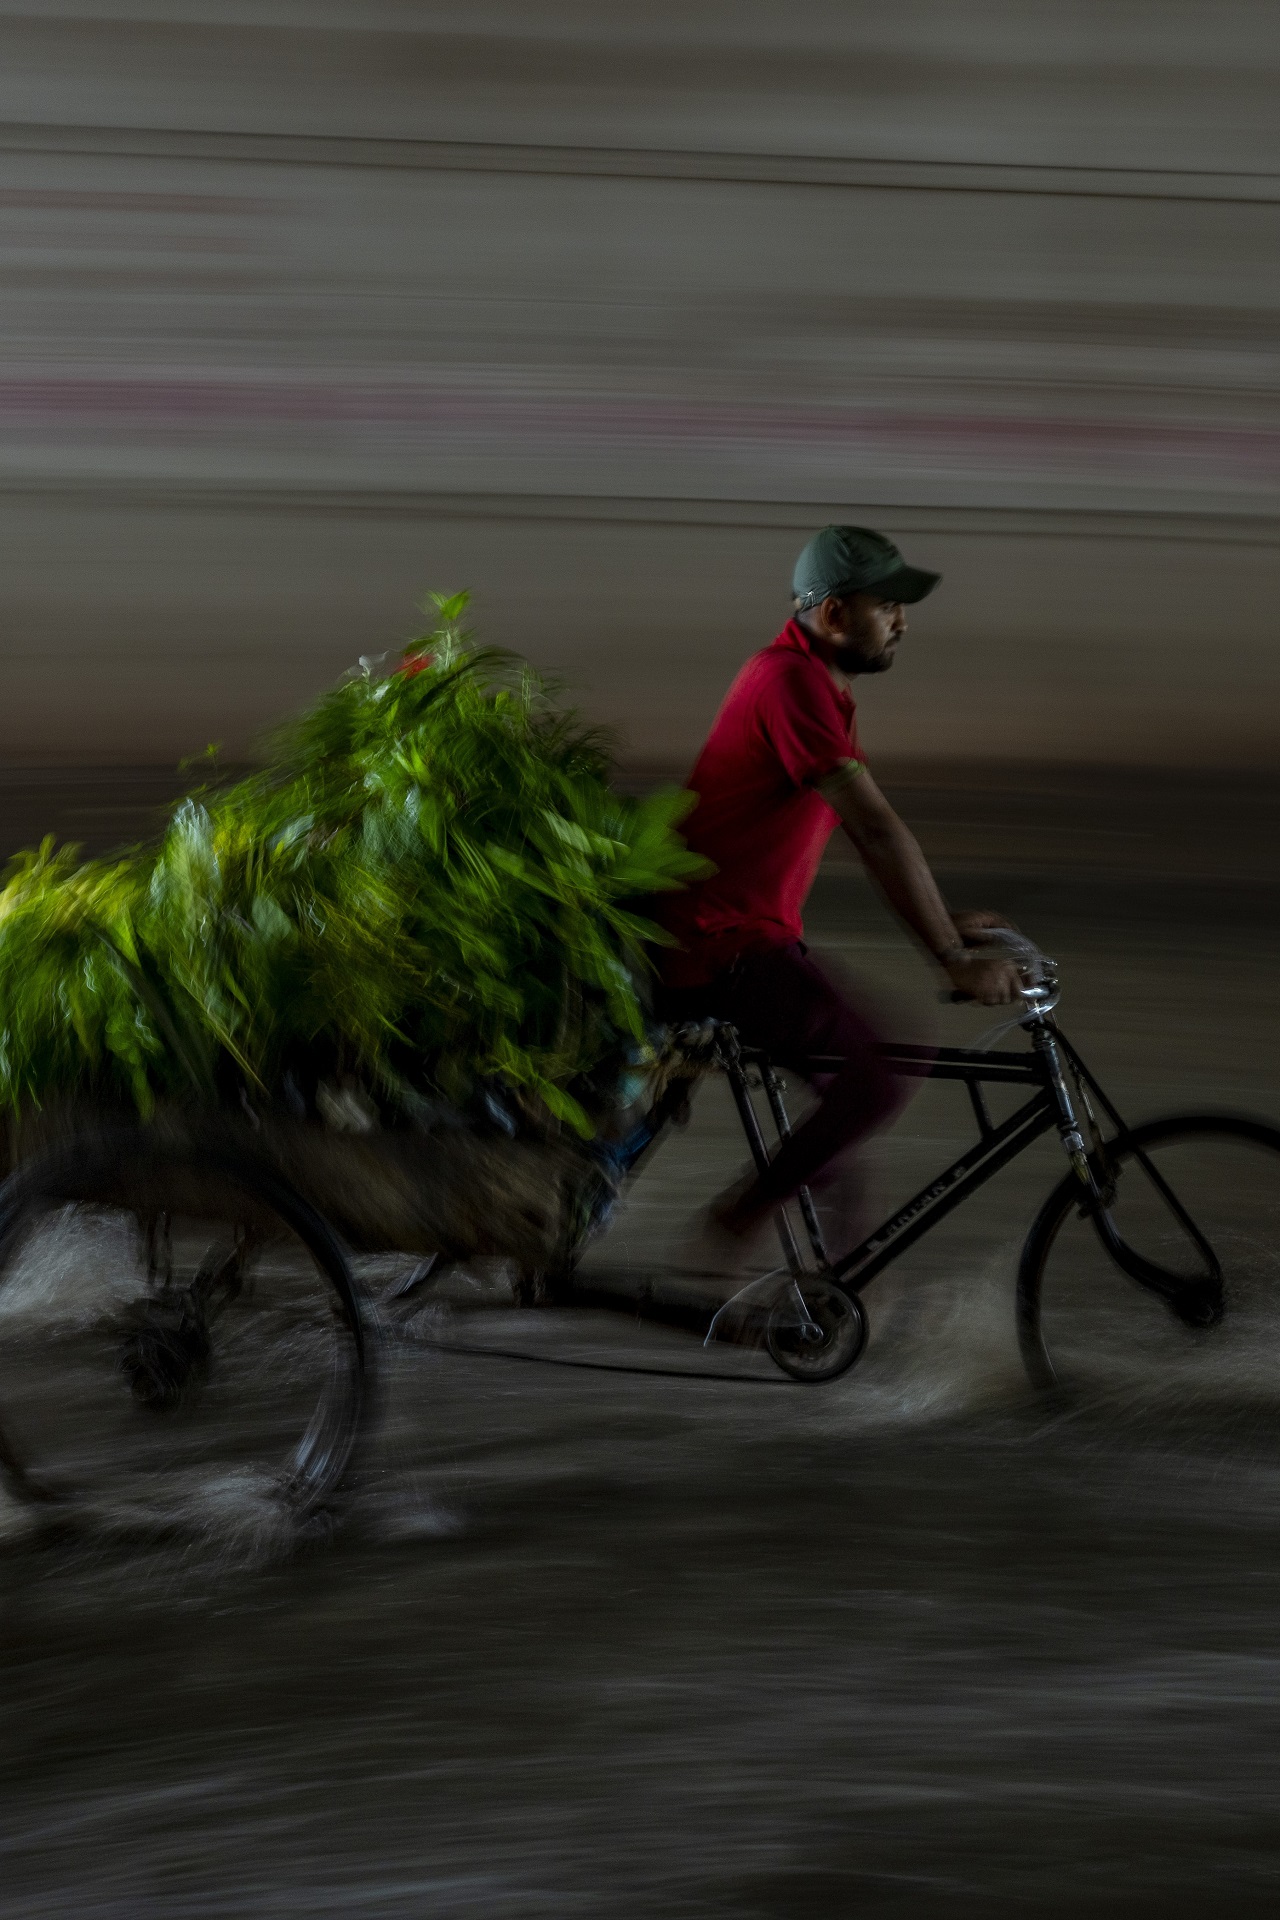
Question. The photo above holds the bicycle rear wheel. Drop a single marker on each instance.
(1175, 1292)
(180, 1339)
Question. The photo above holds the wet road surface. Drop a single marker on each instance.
(600, 1643)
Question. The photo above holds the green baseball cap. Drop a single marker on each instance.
(843, 560)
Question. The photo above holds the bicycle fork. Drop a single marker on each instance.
(1191, 1296)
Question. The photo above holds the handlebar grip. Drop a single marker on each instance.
(954, 997)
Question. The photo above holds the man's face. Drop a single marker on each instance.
(865, 632)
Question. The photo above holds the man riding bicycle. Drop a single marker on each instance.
(782, 768)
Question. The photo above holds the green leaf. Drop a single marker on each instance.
(430, 880)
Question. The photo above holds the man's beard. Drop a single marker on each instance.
(852, 659)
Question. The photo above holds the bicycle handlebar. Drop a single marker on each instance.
(1040, 974)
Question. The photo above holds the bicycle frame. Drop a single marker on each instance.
(1050, 1106)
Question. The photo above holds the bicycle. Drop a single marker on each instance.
(198, 1268)
(1185, 1209)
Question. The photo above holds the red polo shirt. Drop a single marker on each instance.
(784, 726)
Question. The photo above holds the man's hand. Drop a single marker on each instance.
(990, 978)
(974, 921)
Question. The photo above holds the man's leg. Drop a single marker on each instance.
(782, 1002)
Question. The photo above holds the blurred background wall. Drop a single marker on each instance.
(307, 307)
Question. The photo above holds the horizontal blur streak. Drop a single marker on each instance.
(599, 316)
(401, 423)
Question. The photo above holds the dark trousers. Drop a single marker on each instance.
(782, 1001)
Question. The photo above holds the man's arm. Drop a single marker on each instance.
(891, 854)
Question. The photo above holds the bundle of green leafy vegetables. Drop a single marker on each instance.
(431, 887)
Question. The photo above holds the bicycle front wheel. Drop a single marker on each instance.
(1174, 1292)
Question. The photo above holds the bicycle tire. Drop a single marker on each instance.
(1085, 1320)
(297, 1343)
